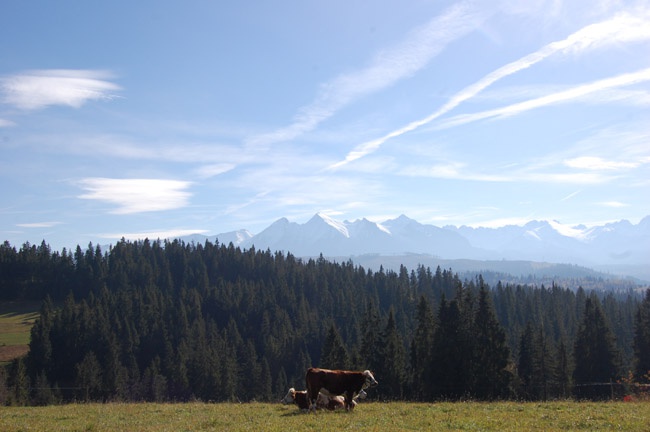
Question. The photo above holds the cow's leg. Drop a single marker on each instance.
(312, 396)
(348, 400)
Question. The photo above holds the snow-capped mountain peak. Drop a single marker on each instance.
(615, 246)
(339, 226)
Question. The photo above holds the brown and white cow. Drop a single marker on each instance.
(299, 397)
(337, 382)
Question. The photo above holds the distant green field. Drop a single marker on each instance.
(394, 416)
(16, 321)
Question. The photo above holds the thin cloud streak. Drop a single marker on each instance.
(390, 66)
(38, 224)
(622, 28)
(570, 196)
(555, 98)
(597, 163)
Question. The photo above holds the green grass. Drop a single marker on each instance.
(367, 417)
(16, 321)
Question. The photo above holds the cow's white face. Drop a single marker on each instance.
(289, 397)
(362, 395)
(370, 379)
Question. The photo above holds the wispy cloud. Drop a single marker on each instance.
(153, 235)
(389, 66)
(622, 28)
(614, 204)
(207, 171)
(597, 163)
(137, 195)
(41, 88)
(38, 224)
(6, 123)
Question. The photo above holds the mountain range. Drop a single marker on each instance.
(620, 248)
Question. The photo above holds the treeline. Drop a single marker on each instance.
(170, 321)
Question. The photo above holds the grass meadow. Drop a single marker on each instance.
(367, 417)
(16, 321)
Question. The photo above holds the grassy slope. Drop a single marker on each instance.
(395, 416)
(16, 320)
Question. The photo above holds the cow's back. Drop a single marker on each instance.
(336, 382)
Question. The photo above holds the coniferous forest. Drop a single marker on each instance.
(171, 321)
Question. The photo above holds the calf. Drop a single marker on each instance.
(299, 397)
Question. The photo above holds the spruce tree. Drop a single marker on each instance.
(334, 354)
(526, 365)
(370, 337)
(595, 353)
(642, 340)
(393, 364)
(421, 351)
(449, 359)
(490, 377)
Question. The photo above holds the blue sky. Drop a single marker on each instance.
(158, 118)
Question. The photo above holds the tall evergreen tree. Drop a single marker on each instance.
(642, 340)
(392, 368)
(490, 377)
(421, 351)
(563, 370)
(334, 354)
(19, 386)
(89, 378)
(526, 366)
(370, 337)
(595, 353)
(450, 355)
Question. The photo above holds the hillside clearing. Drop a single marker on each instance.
(394, 416)
(16, 321)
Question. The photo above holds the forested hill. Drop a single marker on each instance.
(176, 321)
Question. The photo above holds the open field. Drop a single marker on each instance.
(16, 321)
(368, 417)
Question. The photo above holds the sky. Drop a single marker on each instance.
(159, 119)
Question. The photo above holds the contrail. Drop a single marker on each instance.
(389, 66)
(622, 28)
(554, 98)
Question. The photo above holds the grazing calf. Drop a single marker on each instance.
(336, 383)
(299, 397)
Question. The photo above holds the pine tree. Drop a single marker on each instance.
(595, 353)
(19, 389)
(393, 366)
(563, 370)
(40, 346)
(526, 365)
(334, 354)
(490, 376)
(89, 377)
(642, 340)
(450, 359)
(370, 337)
(421, 351)
(42, 391)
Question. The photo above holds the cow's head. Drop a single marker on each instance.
(291, 395)
(370, 379)
(362, 395)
